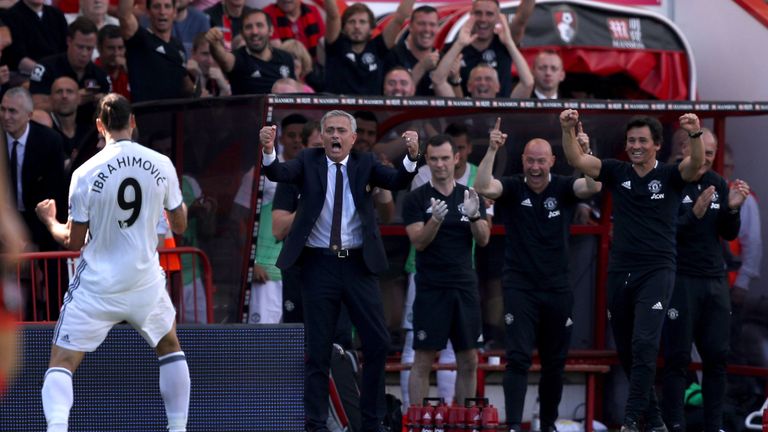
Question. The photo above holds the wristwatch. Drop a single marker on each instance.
(474, 219)
(696, 134)
(416, 159)
(455, 83)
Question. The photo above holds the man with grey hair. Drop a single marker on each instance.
(334, 236)
(36, 166)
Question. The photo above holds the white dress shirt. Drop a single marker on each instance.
(352, 227)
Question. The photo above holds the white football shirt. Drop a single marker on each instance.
(121, 192)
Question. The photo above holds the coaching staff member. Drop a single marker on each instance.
(701, 305)
(538, 302)
(336, 240)
(444, 220)
(641, 269)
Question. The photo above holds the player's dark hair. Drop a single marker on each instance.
(109, 31)
(652, 123)
(82, 24)
(423, 9)
(293, 119)
(365, 115)
(355, 9)
(114, 111)
(456, 130)
(149, 4)
(440, 139)
(309, 128)
(249, 12)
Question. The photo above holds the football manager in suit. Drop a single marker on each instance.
(336, 240)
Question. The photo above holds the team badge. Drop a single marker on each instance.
(421, 335)
(550, 203)
(489, 56)
(715, 197)
(654, 186)
(369, 58)
(37, 73)
(285, 72)
(509, 318)
(289, 306)
(565, 23)
(672, 313)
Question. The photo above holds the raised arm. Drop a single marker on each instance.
(332, 21)
(443, 70)
(576, 157)
(396, 23)
(691, 165)
(224, 58)
(524, 87)
(585, 187)
(485, 184)
(522, 14)
(128, 22)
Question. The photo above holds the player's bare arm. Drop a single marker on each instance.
(70, 235)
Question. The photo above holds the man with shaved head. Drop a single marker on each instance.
(537, 298)
(65, 99)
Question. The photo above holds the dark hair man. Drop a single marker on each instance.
(641, 270)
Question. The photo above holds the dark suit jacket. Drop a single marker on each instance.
(309, 171)
(42, 177)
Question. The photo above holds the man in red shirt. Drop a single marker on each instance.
(293, 19)
(112, 59)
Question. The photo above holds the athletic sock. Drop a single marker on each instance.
(57, 398)
(175, 389)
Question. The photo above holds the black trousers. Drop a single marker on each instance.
(637, 305)
(328, 282)
(542, 319)
(293, 307)
(698, 312)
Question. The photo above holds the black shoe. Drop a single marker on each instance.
(630, 427)
(513, 428)
(660, 428)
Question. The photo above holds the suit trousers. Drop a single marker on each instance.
(328, 282)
